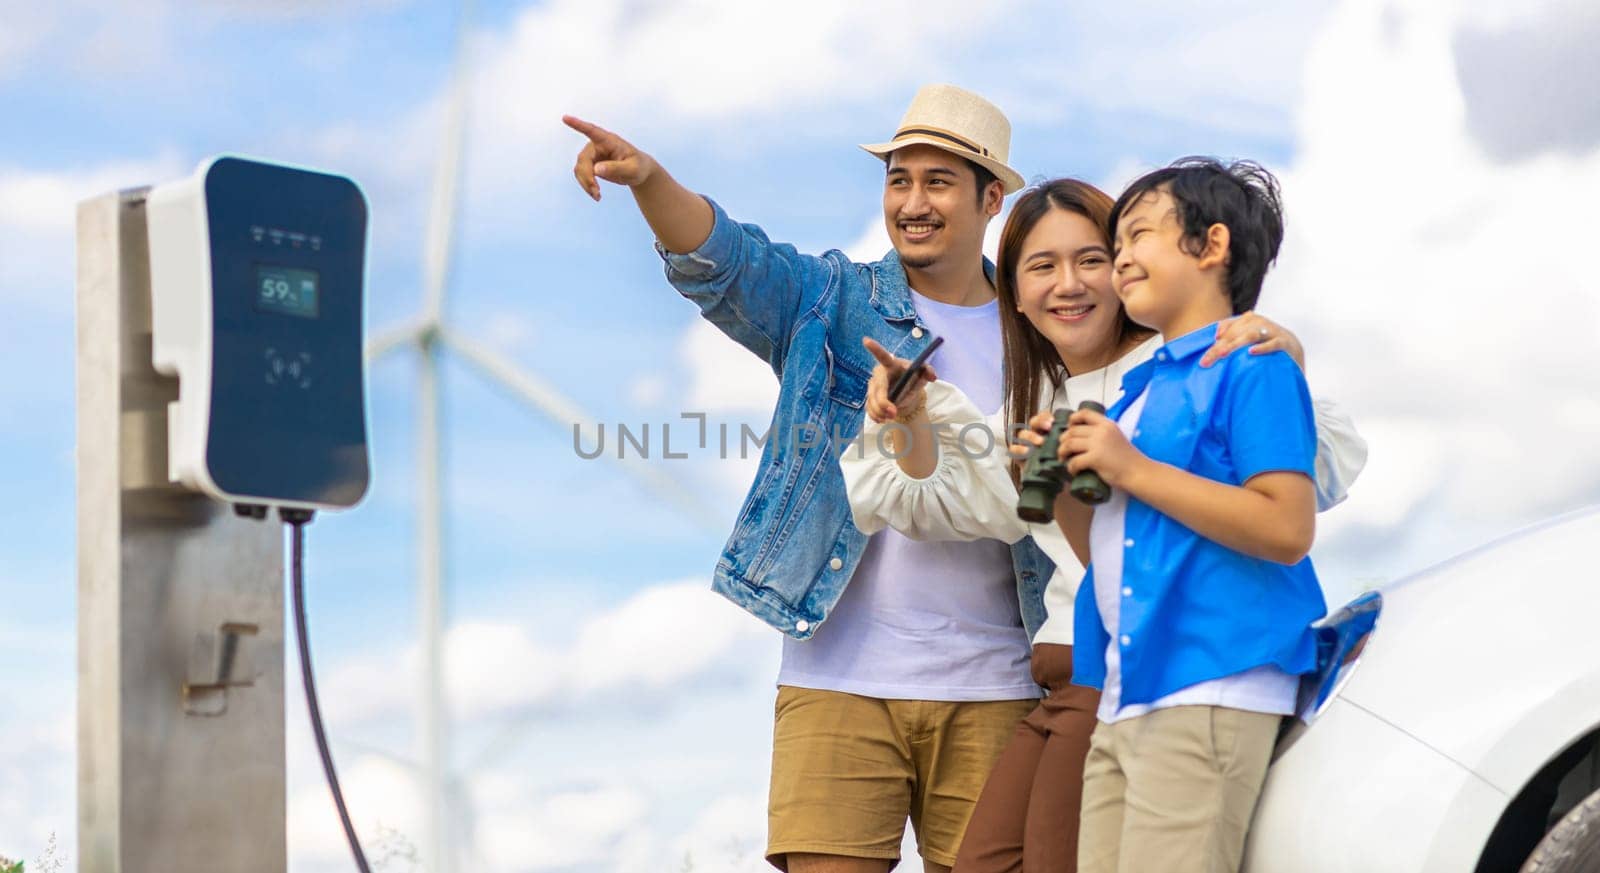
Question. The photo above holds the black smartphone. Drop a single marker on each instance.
(917, 365)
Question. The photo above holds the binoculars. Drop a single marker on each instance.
(1043, 474)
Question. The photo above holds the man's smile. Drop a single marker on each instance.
(920, 230)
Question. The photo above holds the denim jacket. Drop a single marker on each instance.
(794, 545)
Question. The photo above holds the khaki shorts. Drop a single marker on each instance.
(1173, 790)
(847, 771)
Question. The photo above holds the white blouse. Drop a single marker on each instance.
(970, 494)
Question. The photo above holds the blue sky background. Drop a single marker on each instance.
(1439, 165)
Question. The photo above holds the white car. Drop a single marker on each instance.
(1454, 727)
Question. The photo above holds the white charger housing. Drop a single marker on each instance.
(257, 275)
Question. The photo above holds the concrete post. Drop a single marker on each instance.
(180, 608)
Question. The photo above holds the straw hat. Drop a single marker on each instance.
(961, 123)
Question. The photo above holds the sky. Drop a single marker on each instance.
(1439, 160)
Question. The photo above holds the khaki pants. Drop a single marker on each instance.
(1173, 790)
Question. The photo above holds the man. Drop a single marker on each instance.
(905, 669)
(898, 705)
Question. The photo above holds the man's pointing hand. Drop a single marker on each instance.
(609, 157)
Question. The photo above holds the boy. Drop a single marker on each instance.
(1195, 623)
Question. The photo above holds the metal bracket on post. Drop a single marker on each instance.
(219, 660)
(180, 608)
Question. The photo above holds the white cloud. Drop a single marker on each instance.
(38, 741)
(991, 234)
(46, 202)
(713, 58)
(1506, 14)
(872, 244)
(38, 214)
(737, 391)
(1551, 55)
(660, 637)
(1122, 174)
(562, 830)
(507, 821)
(477, 681)
(1442, 297)
(726, 837)
(663, 74)
(650, 70)
(380, 795)
(1403, 472)
(724, 377)
(558, 804)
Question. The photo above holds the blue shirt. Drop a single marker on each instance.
(794, 546)
(1199, 610)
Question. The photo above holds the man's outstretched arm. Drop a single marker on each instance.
(753, 289)
(680, 218)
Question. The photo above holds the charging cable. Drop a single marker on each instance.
(297, 519)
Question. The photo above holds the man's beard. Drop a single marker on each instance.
(918, 262)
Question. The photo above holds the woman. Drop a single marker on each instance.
(1066, 339)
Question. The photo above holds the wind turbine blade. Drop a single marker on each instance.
(528, 387)
(403, 334)
(439, 244)
(500, 747)
(554, 405)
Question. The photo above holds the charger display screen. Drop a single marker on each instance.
(286, 290)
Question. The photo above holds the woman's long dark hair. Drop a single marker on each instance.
(1029, 357)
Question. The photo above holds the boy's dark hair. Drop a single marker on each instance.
(1241, 195)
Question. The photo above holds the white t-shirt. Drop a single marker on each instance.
(1264, 689)
(928, 620)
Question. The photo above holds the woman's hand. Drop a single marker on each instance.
(879, 408)
(1032, 436)
(1252, 329)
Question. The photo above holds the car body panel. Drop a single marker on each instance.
(1479, 672)
(1493, 658)
(1354, 794)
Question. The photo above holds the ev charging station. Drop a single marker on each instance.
(219, 376)
(256, 277)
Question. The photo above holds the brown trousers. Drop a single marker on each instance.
(1026, 820)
